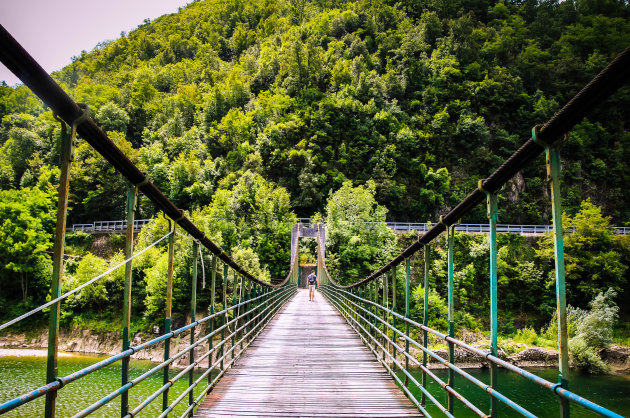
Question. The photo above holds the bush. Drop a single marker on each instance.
(596, 328)
(526, 336)
(585, 358)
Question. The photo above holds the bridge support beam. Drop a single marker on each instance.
(425, 320)
(169, 308)
(67, 156)
(193, 316)
(554, 168)
(451, 313)
(212, 299)
(493, 217)
(132, 201)
(407, 315)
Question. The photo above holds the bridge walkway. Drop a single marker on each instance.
(307, 362)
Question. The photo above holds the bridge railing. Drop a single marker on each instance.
(119, 226)
(369, 309)
(229, 331)
(478, 228)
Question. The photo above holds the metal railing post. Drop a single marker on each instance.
(67, 156)
(451, 314)
(374, 311)
(553, 176)
(407, 295)
(132, 200)
(394, 336)
(238, 310)
(425, 319)
(234, 314)
(169, 307)
(212, 299)
(224, 317)
(493, 217)
(193, 318)
(386, 345)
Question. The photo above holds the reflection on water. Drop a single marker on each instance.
(610, 391)
(19, 375)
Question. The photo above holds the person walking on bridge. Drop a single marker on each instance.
(312, 281)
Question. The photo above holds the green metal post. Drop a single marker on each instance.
(363, 313)
(451, 315)
(193, 318)
(248, 307)
(425, 318)
(553, 175)
(299, 278)
(493, 217)
(385, 316)
(67, 144)
(132, 199)
(240, 299)
(212, 300)
(373, 309)
(169, 308)
(224, 316)
(407, 294)
(234, 314)
(394, 335)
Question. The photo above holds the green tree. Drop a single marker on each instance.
(593, 264)
(357, 238)
(26, 231)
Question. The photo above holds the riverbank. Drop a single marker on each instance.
(108, 343)
(617, 357)
(88, 342)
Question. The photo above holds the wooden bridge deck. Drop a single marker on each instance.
(308, 362)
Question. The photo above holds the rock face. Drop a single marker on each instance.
(535, 356)
(528, 357)
(617, 356)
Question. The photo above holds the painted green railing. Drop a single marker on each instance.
(230, 331)
(371, 311)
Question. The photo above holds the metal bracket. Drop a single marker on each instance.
(548, 148)
(181, 216)
(143, 182)
(536, 137)
(73, 135)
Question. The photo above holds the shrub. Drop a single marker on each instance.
(526, 336)
(585, 358)
(596, 327)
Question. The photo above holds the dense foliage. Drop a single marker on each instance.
(247, 114)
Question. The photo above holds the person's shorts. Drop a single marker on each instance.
(311, 287)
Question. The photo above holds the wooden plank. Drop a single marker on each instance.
(308, 362)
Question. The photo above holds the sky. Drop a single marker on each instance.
(53, 31)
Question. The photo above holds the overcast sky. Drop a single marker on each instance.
(53, 31)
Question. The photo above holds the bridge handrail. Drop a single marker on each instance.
(280, 293)
(65, 109)
(516, 228)
(342, 297)
(543, 138)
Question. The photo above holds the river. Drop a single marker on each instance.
(611, 391)
(19, 375)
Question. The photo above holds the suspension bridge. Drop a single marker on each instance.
(260, 357)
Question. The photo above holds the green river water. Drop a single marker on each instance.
(19, 375)
(610, 391)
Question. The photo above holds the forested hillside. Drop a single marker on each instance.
(423, 97)
(250, 113)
